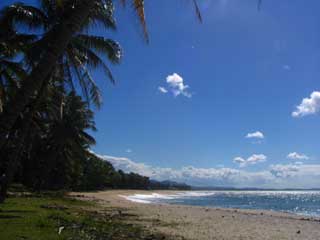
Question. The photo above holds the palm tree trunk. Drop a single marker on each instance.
(56, 42)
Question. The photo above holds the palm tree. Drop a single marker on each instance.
(76, 15)
(80, 56)
(55, 41)
(11, 72)
(49, 141)
(60, 50)
(62, 149)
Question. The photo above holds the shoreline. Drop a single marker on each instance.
(204, 223)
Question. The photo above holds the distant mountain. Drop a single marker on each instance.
(168, 185)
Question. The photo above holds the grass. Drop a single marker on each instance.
(41, 217)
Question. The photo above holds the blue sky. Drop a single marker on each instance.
(246, 72)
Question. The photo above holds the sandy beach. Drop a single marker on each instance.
(201, 223)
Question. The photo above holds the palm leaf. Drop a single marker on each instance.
(14, 68)
(23, 14)
(95, 94)
(69, 78)
(105, 46)
(89, 89)
(102, 14)
(198, 13)
(94, 61)
(138, 6)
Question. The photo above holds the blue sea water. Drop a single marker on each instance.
(297, 202)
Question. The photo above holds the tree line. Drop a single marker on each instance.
(47, 57)
(90, 174)
(47, 91)
(48, 141)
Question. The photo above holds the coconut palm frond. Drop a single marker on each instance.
(69, 78)
(138, 6)
(13, 68)
(23, 14)
(197, 9)
(94, 61)
(102, 45)
(102, 13)
(90, 90)
(95, 93)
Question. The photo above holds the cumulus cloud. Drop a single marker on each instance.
(255, 158)
(162, 90)
(257, 134)
(176, 85)
(297, 156)
(296, 175)
(239, 160)
(284, 171)
(308, 106)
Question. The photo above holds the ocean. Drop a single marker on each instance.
(305, 203)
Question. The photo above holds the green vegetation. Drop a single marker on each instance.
(87, 173)
(47, 57)
(47, 138)
(41, 217)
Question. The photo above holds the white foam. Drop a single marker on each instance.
(153, 197)
(133, 198)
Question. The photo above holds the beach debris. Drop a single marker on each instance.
(60, 230)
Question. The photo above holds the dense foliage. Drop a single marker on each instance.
(46, 87)
(48, 145)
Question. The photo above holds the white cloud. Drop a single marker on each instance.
(255, 158)
(256, 134)
(177, 86)
(162, 90)
(296, 175)
(239, 160)
(297, 156)
(129, 150)
(284, 171)
(308, 106)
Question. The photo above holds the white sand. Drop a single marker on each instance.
(201, 223)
